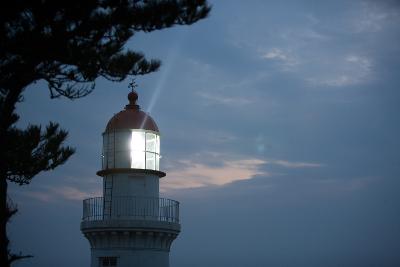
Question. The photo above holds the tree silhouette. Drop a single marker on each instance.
(68, 44)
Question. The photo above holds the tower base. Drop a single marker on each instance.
(129, 258)
(125, 243)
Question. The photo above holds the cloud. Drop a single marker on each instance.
(219, 169)
(284, 58)
(323, 68)
(362, 62)
(53, 193)
(38, 195)
(350, 70)
(276, 54)
(216, 85)
(71, 193)
(194, 174)
(373, 17)
(321, 50)
(224, 100)
(294, 164)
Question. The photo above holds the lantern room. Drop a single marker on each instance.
(131, 140)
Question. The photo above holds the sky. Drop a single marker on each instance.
(279, 123)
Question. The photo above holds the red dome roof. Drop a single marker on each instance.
(131, 118)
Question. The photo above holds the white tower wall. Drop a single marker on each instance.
(122, 185)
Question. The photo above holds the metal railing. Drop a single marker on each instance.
(131, 208)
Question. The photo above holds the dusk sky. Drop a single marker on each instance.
(280, 134)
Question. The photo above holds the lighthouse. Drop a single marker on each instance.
(130, 225)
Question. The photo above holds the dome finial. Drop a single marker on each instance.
(133, 84)
(132, 96)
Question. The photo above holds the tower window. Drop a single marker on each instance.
(108, 261)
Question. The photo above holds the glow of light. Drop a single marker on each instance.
(144, 149)
(137, 150)
(166, 69)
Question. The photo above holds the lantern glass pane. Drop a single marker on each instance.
(157, 144)
(137, 160)
(138, 141)
(150, 161)
(157, 162)
(137, 150)
(150, 142)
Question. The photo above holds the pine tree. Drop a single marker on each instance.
(68, 44)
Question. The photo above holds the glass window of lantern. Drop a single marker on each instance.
(144, 150)
(150, 142)
(157, 162)
(138, 143)
(138, 159)
(150, 161)
(157, 144)
(109, 150)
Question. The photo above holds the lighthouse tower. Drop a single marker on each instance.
(130, 226)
